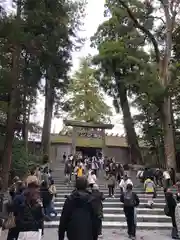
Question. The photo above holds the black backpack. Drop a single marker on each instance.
(129, 199)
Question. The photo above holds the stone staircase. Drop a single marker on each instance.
(113, 208)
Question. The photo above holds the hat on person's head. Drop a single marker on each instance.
(81, 183)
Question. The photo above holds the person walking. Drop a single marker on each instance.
(53, 191)
(124, 182)
(98, 206)
(172, 176)
(95, 165)
(171, 206)
(177, 215)
(91, 178)
(47, 200)
(111, 181)
(78, 218)
(150, 191)
(167, 180)
(29, 216)
(32, 177)
(68, 171)
(130, 201)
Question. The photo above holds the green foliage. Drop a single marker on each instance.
(22, 162)
(86, 101)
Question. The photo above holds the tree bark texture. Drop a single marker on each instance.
(135, 151)
(163, 61)
(49, 100)
(11, 119)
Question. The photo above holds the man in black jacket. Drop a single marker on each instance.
(78, 218)
(98, 206)
(130, 201)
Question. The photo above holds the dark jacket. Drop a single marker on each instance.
(78, 218)
(171, 203)
(97, 202)
(46, 196)
(68, 168)
(136, 200)
(29, 218)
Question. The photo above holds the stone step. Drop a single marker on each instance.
(142, 199)
(140, 191)
(114, 210)
(112, 207)
(118, 224)
(116, 204)
(117, 195)
(120, 217)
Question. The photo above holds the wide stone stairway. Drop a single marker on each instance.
(113, 208)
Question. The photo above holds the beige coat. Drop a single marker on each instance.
(31, 178)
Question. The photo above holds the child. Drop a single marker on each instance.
(150, 191)
(131, 201)
(111, 184)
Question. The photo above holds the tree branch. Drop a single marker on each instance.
(143, 29)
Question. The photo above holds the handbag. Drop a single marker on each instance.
(9, 222)
(166, 210)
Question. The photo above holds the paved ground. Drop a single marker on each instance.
(109, 234)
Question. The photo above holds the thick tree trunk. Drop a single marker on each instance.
(14, 103)
(168, 127)
(49, 100)
(25, 121)
(11, 119)
(7, 153)
(135, 151)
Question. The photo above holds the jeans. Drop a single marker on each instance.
(111, 190)
(12, 234)
(50, 209)
(131, 222)
(167, 183)
(100, 226)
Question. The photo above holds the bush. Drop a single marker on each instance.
(21, 160)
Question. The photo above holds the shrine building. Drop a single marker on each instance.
(90, 142)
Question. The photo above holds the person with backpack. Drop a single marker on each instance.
(79, 219)
(150, 191)
(130, 201)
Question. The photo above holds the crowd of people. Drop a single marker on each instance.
(31, 202)
(117, 178)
